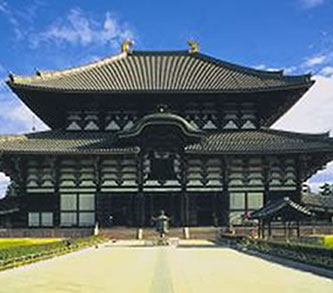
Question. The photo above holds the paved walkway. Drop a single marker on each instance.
(122, 268)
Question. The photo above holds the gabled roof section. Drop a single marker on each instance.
(162, 119)
(160, 71)
(285, 208)
(63, 143)
(263, 141)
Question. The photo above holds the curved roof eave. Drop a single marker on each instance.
(15, 86)
(161, 70)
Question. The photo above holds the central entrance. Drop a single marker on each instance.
(170, 203)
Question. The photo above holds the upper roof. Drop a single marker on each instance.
(160, 71)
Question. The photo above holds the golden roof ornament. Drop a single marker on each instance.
(126, 46)
(38, 72)
(194, 46)
(11, 76)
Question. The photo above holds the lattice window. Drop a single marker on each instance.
(68, 219)
(237, 200)
(255, 200)
(68, 202)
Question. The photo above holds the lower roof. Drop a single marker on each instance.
(262, 141)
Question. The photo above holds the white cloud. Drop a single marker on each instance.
(15, 117)
(12, 18)
(315, 60)
(4, 182)
(327, 71)
(313, 113)
(311, 3)
(287, 70)
(79, 28)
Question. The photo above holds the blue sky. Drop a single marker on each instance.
(295, 35)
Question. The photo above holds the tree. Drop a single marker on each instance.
(326, 189)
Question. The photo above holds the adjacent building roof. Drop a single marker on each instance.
(160, 71)
(317, 202)
(263, 141)
(284, 208)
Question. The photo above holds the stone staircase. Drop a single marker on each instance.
(124, 233)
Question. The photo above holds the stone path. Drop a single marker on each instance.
(126, 267)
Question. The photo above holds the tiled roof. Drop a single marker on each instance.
(61, 142)
(262, 141)
(224, 142)
(284, 207)
(160, 71)
(317, 202)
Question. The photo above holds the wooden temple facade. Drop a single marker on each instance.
(144, 130)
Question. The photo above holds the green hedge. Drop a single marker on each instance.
(306, 253)
(17, 256)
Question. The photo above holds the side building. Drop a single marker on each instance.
(149, 130)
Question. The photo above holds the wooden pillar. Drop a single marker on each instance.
(225, 192)
(97, 181)
(269, 228)
(266, 170)
(298, 229)
(263, 229)
(284, 229)
(216, 209)
(184, 195)
(140, 199)
(56, 174)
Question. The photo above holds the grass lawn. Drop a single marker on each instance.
(16, 242)
(328, 240)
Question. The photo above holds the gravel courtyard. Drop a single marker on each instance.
(122, 268)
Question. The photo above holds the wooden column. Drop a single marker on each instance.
(55, 167)
(266, 170)
(298, 229)
(140, 206)
(184, 197)
(97, 181)
(225, 193)
(284, 229)
(269, 228)
(259, 229)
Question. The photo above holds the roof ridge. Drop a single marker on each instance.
(76, 68)
(162, 52)
(293, 133)
(278, 73)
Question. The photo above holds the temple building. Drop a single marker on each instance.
(143, 131)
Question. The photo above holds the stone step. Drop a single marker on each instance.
(119, 233)
(208, 233)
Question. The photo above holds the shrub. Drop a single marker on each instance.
(16, 256)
